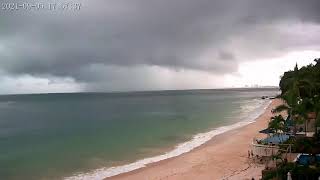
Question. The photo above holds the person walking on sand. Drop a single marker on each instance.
(248, 153)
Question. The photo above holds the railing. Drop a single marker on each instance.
(267, 150)
(262, 150)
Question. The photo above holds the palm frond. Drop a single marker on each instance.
(281, 108)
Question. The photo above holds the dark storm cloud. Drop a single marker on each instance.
(205, 35)
(226, 55)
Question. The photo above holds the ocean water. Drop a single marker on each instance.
(96, 135)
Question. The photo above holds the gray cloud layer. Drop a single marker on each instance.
(206, 35)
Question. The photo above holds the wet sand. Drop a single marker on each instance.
(223, 157)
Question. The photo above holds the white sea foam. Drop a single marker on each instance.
(182, 148)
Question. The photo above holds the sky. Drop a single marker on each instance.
(133, 45)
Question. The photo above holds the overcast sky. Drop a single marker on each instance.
(125, 45)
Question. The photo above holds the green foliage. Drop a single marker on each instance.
(301, 83)
(281, 108)
(300, 88)
(277, 123)
(303, 145)
(280, 172)
(297, 172)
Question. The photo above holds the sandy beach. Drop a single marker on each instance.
(223, 157)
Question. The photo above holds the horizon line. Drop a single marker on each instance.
(141, 91)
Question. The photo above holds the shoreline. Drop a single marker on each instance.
(221, 157)
(197, 142)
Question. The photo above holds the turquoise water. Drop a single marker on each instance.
(52, 136)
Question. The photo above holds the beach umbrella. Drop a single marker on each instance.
(266, 131)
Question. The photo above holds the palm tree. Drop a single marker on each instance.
(277, 124)
(300, 90)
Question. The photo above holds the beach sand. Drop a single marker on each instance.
(223, 157)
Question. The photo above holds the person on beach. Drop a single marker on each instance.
(248, 153)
